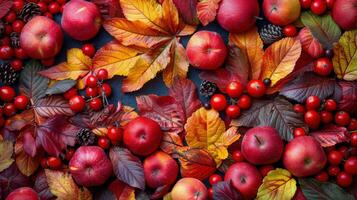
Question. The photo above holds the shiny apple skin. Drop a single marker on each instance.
(189, 188)
(23, 193)
(282, 12)
(345, 21)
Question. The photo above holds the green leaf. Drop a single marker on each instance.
(315, 190)
(61, 87)
(322, 28)
(32, 84)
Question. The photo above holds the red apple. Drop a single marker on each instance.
(23, 193)
(142, 136)
(339, 14)
(245, 178)
(160, 169)
(237, 16)
(90, 166)
(81, 19)
(189, 188)
(281, 12)
(262, 145)
(41, 38)
(304, 156)
(206, 50)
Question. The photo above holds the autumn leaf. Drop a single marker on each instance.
(41, 186)
(207, 10)
(330, 135)
(225, 191)
(252, 45)
(108, 8)
(187, 9)
(60, 87)
(122, 191)
(62, 185)
(51, 106)
(278, 184)
(310, 44)
(279, 59)
(346, 96)
(6, 149)
(26, 164)
(11, 179)
(345, 56)
(170, 142)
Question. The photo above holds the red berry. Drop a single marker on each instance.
(299, 132)
(333, 170)
(290, 31)
(54, 163)
(343, 150)
(48, 15)
(244, 102)
(6, 52)
(210, 193)
(354, 139)
(88, 49)
(330, 105)
(214, 179)
(2, 121)
(21, 102)
(91, 92)
(322, 176)
(106, 89)
(10, 17)
(5, 41)
(103, 143)
(238, 156)
(115, 134)
(17, 5)
(70, 93)
(91, 81)
(305, 4)
(54, 8)
(48, 62)
(69, 154)
(256, 88)
(323, 66)
(312, 119)
(298, 108)
(16, 64)
(8, 31)
(20, 53)
(62, 2)
(233, 111)
(265, 169)
(102, 74)
(17, 26)
(335, 157)
(9, 109)
(96, 104)
(326, 117)
(342, 118)
(234, 89)
(7, 93)
(344, 179)
(353, 125)
(351, 165)
(218, 102)
(312, 103)
(318, 7)
(330, 3)
(43, 6)
(43, 163)
(77, 103)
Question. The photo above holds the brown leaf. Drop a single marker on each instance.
(6, 149)
(26, 164)
(19, 121)
(51, 106)
(187, 10)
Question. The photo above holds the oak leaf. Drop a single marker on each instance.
(6, 149)
(207, 10)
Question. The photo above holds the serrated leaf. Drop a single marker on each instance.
(322, 28)
(170, 142)
(310, 44)
(278, 184)
(60, 87)
(127, 167)
(225, 191)
(5, 6)
(31, 83)
(51, 106)
(62, 185)
(207, 10)
(279, 59)
(308, 84)
(6, 149)
(11, 179)
(345, 56)
(331, 135)
(19, 121)
(346, 96)
(25, 163)
(314, 189)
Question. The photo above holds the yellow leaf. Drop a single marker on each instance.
(345, 56)
(252, 45)
(116, 59)
(280, 58)
(226, 139)
(62, 185)
(76, 59)
(278, 184)
(170, 16)
(26, 164)
(100, 131)
(6, 149)
(178, 66)
(167, 196)
(187, 30)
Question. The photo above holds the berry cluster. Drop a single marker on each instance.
(318, 7)
(12, 103)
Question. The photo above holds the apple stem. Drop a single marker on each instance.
(258, 18)
(256, 137)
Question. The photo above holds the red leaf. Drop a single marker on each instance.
(127, 167)
(310, 44)
(30, 146)
(11, 179)
(41, 186)
(5, 6)
(51, 106)
(187, 10)
(121, 190)
(170, 142)
(225, 191)
(109, 8)
(346, 96)
(207, 10)
(331, 135)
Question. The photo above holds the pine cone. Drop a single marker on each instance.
(85, 137)
(271, 33)
(2, 29)
(8, 75)
(207, 88)
(15, 39)
(29, 11)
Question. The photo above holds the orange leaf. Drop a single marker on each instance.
(170, 142)
(122, 191)
(252, 46)
(280, 58)
(170, 16)
(207, 10)
(26, 164)
(19, 121)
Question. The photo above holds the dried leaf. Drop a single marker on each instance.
(279, 59)
(187, 9)
(252, 45)
(63, 186)
(207, 10)
(127, 167)
(345, 56)
(51, 106)
(11, 179)
(122, 191)
(331, 135)
(26, 164)
(322, 28)
(278, 184)
(6, 149)
(225, 191)
(5, 6)
(170, 142)
(19, 121)
(310, 44)
(346, 96)
(60, 87)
